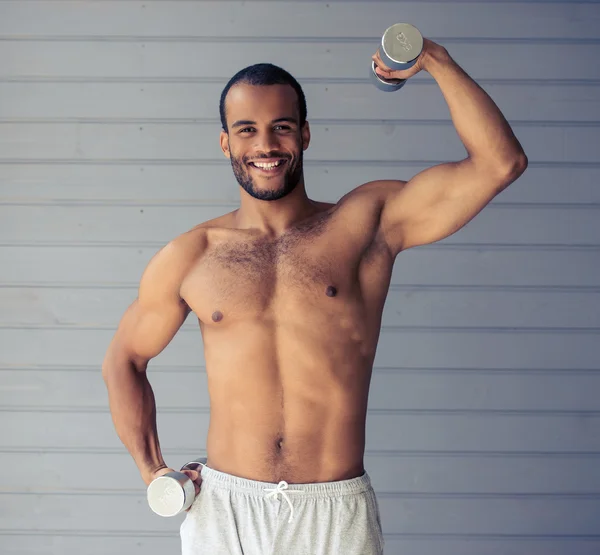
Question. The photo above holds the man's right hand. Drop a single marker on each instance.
(194, 475)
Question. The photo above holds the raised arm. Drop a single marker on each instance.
(146, 328)
(442, 199)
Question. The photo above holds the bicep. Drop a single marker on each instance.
(147, 328)
(437, 202)
(153, 319)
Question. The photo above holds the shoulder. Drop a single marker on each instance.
(192, 244)
(166, 271)
(168, 267)
(171, 263)
(179, 251)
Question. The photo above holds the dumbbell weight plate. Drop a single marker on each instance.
(401, 45)
(173, 492)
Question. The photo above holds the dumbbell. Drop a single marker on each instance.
(173, 492)
(400, 47)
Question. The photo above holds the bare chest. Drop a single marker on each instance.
(249, 278)
(252, 281)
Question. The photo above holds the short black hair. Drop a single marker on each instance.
(263, 74)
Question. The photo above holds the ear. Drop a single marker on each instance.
(224, 140)
(305, 132)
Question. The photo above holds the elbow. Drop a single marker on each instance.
(514, 166)
(519, 164)
(116, 361)
(110, 362)
(509, 171)
(108, 368)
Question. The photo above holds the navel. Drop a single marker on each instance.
(217, 316)
(331, 291)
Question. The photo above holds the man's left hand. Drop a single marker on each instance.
(386, 73)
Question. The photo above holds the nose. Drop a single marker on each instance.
(266, 142)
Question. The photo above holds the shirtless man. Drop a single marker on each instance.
(289, 294)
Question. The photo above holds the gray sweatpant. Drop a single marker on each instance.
(235, 516)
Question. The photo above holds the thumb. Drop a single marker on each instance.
(193, 474)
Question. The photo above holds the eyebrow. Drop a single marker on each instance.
(241, 122)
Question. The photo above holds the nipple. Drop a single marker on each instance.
(217, 316)
(331, 291)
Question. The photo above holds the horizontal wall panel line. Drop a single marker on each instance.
(316, 121)
(487, 329)
(86, 533)
(427, 329)
(284, 39)
(483, 2)
(144, 203)
(420, 80)
(185, 203)
(375, 412)
(75, 285)
(158, 369)
(535, 247)
(301, 2)
(407, 453)
(467, 371)
(392, 453)
(400, 536)
(225, 162)
(577, 289)
(517, 496)
(493, 537)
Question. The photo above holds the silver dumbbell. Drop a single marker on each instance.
(173, 492)
(400, 47)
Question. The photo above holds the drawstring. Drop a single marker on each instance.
(274, 492)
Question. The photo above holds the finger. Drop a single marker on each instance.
(193, 474)
(383, 72)
(379, 62)
(380, 71)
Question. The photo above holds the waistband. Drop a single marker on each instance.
(216, 479)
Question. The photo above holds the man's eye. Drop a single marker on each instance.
(277, 127)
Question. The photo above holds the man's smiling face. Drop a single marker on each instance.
(265, 142)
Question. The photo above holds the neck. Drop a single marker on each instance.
(273, 217)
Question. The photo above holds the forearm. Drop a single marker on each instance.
(482, 128)
(133, 410)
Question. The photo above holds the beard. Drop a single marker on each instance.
(291, 178)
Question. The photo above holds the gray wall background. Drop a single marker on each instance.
(483, 430)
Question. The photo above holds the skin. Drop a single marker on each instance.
(297, 286)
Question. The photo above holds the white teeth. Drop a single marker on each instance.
(267, 166)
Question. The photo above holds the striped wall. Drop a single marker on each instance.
(484, 421)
